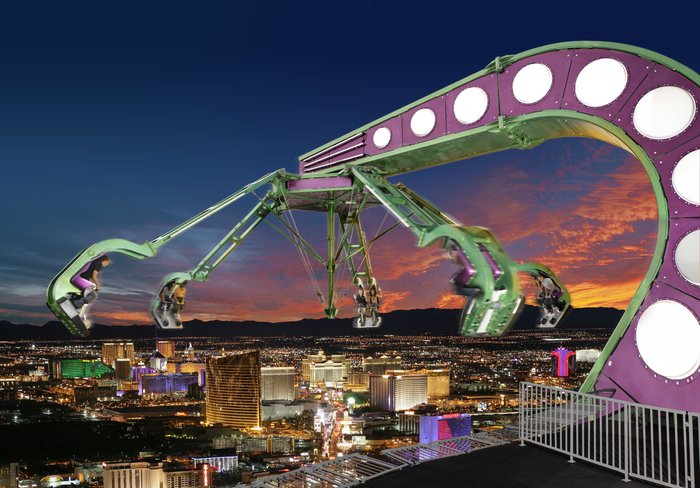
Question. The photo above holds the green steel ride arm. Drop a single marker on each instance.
(216, 256)
(491, 311)
(61, 286)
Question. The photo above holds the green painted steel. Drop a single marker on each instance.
(61, 287)
(494, 308)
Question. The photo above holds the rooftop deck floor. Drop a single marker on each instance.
(508, 466)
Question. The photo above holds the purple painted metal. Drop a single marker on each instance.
(394, 125)
(668, 273)
(558, 62)
(437, 105)
(637, 69)
(464, 276)
(320, 183)
(665, 164)
(495, 269)
(625, 371)
(342, 152)
(486, 83)
(659, 76)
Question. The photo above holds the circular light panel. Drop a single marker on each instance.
(470, 105)
(687, 257)
(532, 83)
(381, 137)
(423, 122)
(601, 82)
(686, 177)
(664, 112)
(667, 336)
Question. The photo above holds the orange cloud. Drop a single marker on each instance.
(122, 317)
(611, 294)
(450, 300)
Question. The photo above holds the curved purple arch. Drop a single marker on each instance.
(668, 300)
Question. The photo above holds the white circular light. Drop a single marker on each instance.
(381, 137)
(667, 336)
(601, 82)
(470, 105)
(532, 83)
(687, 257)
(423, 122)
(664, 112)
(686, 177)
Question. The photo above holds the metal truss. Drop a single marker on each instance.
(346, 471)
(420, 453)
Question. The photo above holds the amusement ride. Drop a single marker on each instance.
(632, 98)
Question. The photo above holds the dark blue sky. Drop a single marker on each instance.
(124, 120)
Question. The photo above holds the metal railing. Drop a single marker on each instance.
(648, 443)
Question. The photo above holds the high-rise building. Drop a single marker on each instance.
(8, 475)
(409, 422)
(137, 475)
(166, 348)
(319, 368)
(381, 364)
(329, 373)
(223, 464)
(438, 381)
(563, 362)
(190, 367)
(357, 381)
(189, 352)
(166, 384)
(112, 351)
(158, 362)
(147, 475)
(122, 368)
(233, 390)
(308, 361)
(394, 393)
(79, 368)
(277, 383)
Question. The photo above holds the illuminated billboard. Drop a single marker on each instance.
(440, 427)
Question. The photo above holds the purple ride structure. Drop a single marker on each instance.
(630, 97)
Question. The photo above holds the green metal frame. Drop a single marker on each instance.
(61, 286)
(494, 310)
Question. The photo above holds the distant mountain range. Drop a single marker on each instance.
(430, 321)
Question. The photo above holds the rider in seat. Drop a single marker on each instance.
(548, 297)
(373, 298)
(179, 295)
(361, 301)
(88, 281)
(166, 296)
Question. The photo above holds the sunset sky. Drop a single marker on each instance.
(125, 123)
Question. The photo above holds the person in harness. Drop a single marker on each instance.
(87, 280)
(373, 299)
(179, 296)
(361, 301)
(166, 296)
